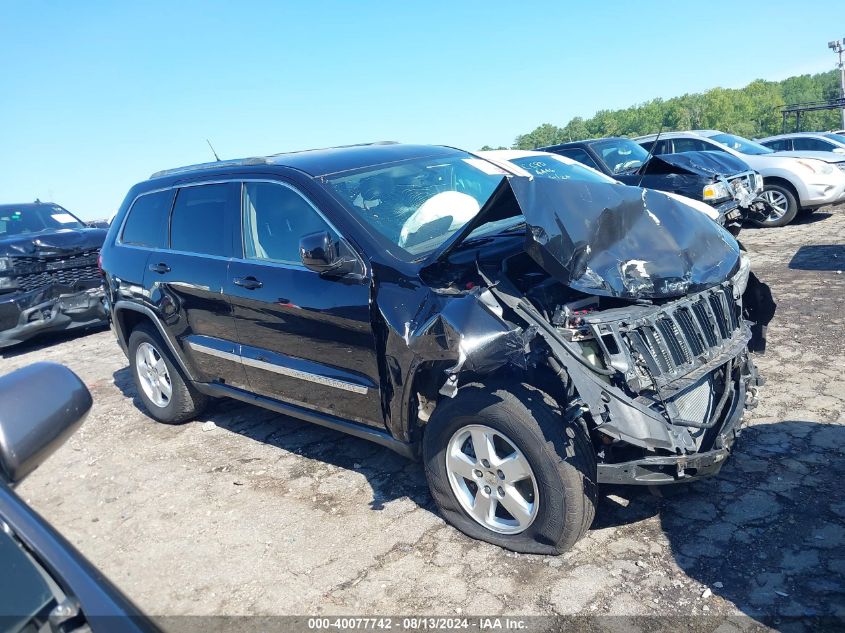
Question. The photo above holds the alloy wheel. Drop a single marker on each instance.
(778, 204)
(153, 375)
(492, 479)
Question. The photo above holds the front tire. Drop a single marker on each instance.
(167, 395)
(504, 468)
(783, 204)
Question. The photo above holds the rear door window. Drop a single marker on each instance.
(812, 145)
(200, 220)
(146, 223)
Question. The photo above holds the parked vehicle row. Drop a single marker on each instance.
(540, 164)
(728, 185)
(792, 181)
(527, 337)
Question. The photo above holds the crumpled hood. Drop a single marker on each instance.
(703, 163)
(52, 243)
(613, 240)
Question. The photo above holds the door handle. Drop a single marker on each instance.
(159, 268)
(250, 283)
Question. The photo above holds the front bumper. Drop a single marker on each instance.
(819, 194)
(670, 469)
(50, 309)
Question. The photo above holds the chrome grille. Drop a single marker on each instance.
(672, 340)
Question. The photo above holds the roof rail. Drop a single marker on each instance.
(321, 149)
(256, 160)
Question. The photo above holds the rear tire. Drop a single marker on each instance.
(784, 206)
(558, 464)
(167, 395)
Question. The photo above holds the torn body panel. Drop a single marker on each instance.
(456, 333)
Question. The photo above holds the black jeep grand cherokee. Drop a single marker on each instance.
(529, 338)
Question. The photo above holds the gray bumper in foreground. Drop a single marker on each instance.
(24, 315)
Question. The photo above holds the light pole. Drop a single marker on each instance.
(837, 47)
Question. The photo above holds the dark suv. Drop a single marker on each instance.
(528, 338)
(49, 279)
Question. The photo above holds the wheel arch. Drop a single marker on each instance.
(127, 316)
(429, 377)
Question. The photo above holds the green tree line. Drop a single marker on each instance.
(752, 111)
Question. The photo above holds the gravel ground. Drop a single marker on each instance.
(247, 512)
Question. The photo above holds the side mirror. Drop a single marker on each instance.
(322, 254)
(838, 150)
(40, 407)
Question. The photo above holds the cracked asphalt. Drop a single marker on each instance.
(260, 514)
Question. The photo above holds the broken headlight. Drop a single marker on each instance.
(716, 191)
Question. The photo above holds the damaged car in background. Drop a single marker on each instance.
(528, 338)
(720, 180)
(49, 277)
(541, 164)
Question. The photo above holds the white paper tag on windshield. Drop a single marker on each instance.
(64, 218)
(487, 168)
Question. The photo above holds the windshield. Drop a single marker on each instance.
(37, 218)
(620, 154)
(416, 205)
(742, 145)
(554, 167)
(839, 138)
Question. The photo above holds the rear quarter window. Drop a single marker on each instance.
(146, 222)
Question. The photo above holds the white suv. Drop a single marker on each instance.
(791, 181)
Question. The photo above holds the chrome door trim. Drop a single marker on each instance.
(238, 357)
(305, 375)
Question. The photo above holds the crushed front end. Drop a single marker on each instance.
(49, 291)
(688, 378)
(634, 301)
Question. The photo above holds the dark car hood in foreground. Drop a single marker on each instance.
(52, 243)
(613, 240)
(702, 163)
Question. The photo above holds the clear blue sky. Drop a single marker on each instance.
(95, 96)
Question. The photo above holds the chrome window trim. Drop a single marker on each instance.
(278, 369)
